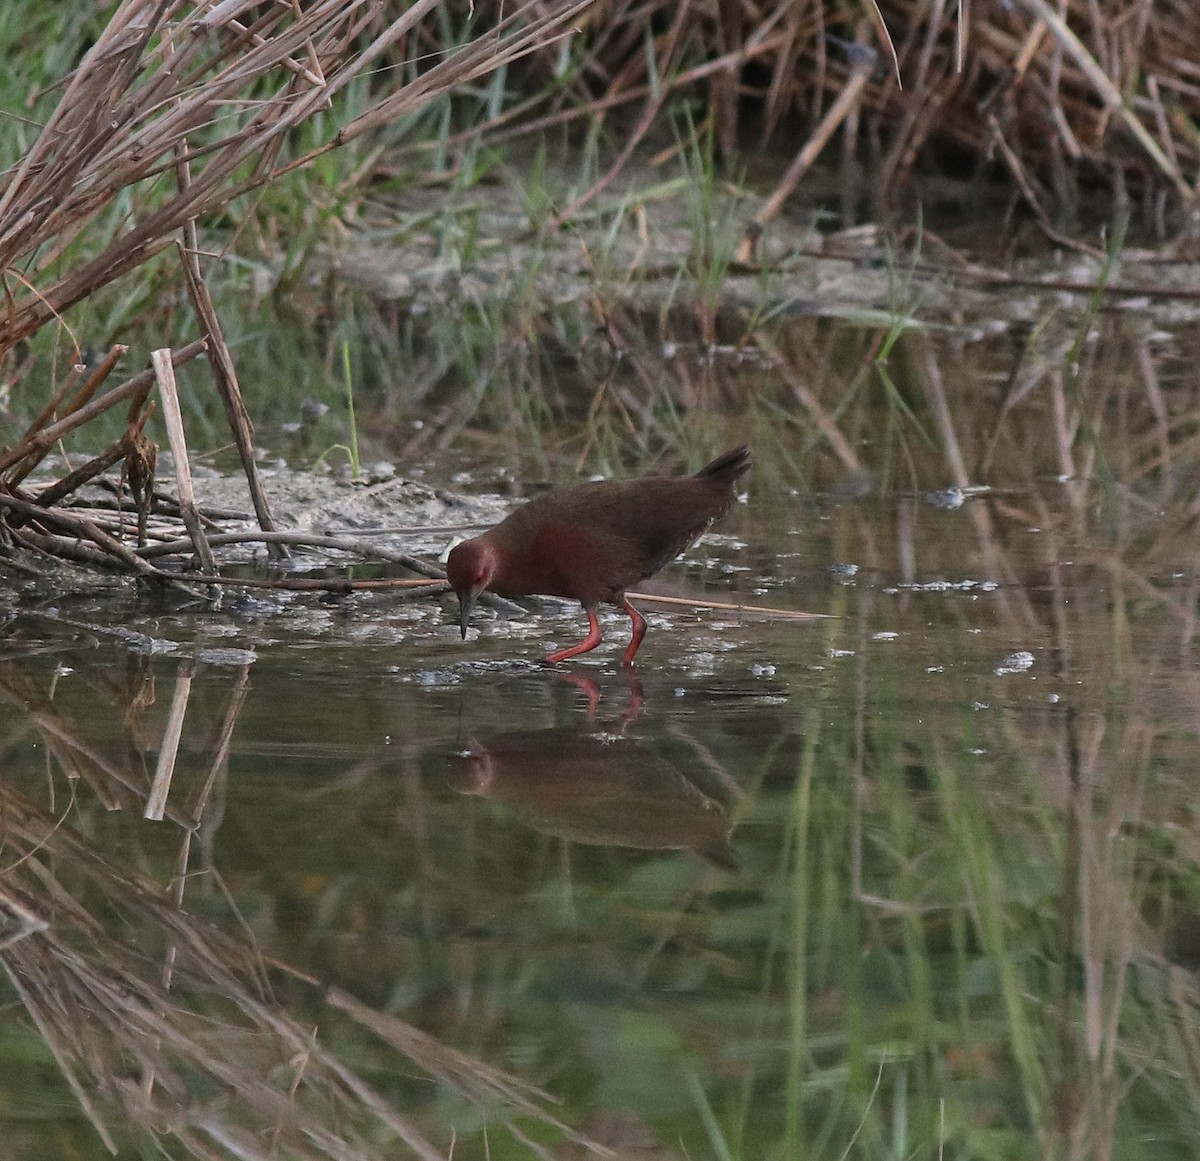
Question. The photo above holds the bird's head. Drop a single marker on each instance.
(469, 569)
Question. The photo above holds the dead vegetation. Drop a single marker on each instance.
(1066, 98)
(179, 109)
(184, 108)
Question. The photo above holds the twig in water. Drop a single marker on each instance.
(765, 610)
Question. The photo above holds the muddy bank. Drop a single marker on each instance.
(395, 515)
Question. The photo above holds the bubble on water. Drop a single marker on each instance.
(884, 636)
(839, 652)
(947, 498)
(762, 670)
(1015, 663)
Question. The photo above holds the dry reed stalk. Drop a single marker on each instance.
(225, 375)
(845, 104)
(170, 81)
(173, 416)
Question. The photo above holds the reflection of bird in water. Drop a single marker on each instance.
(596, 789)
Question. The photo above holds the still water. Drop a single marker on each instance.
(914, 879)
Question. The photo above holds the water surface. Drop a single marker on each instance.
(914, 879)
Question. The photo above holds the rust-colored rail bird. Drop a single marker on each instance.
(591, 542)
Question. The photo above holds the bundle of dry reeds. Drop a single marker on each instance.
(191, 104)
(180, 107)
(1065, 96)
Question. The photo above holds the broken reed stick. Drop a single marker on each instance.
(81, 398)
(51, 409)
(301, 540)
(112, 549)
(75, 479)
(726, 606)
(85, 530)
(173, 417)
(59, 547)
(48, 436)
(225, 374)
(333, 584)
(96, 376)
(80, 475)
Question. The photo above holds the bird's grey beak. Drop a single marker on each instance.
(465, 602)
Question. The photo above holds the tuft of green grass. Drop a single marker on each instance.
(351, 449)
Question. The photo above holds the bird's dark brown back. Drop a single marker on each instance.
(597, 539)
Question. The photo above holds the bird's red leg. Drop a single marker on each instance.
(586, 645)
(639, 631)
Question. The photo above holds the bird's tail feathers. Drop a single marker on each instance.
(727, 467)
